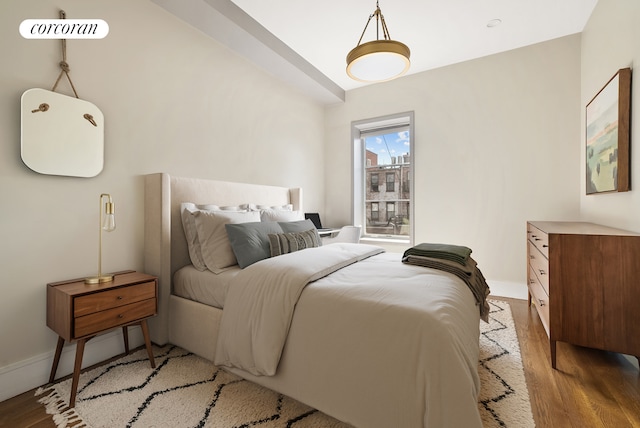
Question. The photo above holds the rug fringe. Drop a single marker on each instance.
(54, 405)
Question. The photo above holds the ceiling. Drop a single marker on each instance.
(306, 43)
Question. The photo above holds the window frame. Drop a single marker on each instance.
(370, 127)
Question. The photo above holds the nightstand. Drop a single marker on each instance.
(79, 311)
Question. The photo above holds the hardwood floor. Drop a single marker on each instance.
(590, 388)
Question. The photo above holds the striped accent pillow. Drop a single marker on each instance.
(283, 243)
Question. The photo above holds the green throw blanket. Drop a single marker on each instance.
(454, 259)
(454, 253)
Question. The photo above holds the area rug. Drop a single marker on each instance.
(187, 391)
(504, 398)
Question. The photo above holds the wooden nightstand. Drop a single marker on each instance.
(79, 311)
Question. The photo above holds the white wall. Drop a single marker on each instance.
(496, 144)
(609, 43)
(174, 101)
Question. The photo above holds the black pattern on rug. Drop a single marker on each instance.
(187, 390)
(504, 400)
(201, 390)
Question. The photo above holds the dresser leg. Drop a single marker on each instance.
(529, 298)
(552, 345)
(125, 334)
(147, 342)
(76, 371)
(56, 359)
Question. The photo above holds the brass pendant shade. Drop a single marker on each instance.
(378, 60)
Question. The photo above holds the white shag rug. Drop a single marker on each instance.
(188, 391)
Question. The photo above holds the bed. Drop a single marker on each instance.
(396, 348)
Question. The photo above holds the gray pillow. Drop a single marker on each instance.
(283, 243)
(300, 226)
(250, 241)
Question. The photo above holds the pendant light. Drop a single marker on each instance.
(379, 60)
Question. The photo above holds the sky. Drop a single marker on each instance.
(387, 145)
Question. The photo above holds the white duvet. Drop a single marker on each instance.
(359, 335)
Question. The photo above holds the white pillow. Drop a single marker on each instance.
(280, 215)
(258, 207)
(189, 225)
(217, 253)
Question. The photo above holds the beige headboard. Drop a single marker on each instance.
(165, 245)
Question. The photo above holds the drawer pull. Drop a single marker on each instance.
(533, 236)
(120, 316)
(542, 272)
(532, 257)
(541, 302)
(119, 298)
(537, 239)
(545, 246)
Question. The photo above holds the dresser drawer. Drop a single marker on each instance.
(538, 238)
(540, 298)
(540, 266)
(91, 303)
(115, 317)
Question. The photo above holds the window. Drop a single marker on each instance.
(374, 182)
(391, 179)
(391, 211)
(375, 211)
(383, 149)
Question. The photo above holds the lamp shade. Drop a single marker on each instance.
(378, 61)
(109, 221)
(108, 224)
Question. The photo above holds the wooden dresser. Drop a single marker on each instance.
(584, 280)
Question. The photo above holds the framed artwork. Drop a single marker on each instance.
(608, 136)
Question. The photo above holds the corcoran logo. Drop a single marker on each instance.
(64, 29)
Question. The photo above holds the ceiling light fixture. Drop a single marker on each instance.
(378, 60)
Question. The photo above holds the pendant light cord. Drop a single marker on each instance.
(379, 19)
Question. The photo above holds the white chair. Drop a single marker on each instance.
(346, 234)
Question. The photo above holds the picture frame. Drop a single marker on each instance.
(607, 136)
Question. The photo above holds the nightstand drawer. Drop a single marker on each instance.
(91, 303)
(104, 320)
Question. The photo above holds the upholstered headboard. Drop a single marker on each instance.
(165, 244)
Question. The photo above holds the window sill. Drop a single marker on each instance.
(400, 241)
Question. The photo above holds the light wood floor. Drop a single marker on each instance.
(590, 388)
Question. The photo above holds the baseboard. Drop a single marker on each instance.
(34, 372)
(513, 290)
